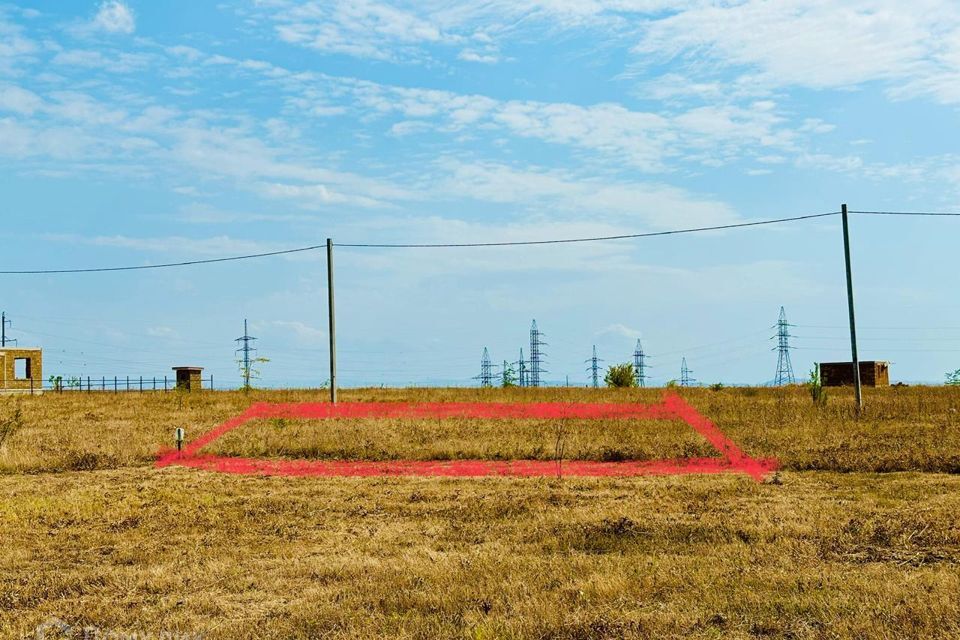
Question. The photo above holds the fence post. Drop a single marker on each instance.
(154, 383)
(164, 383)
(853, 322)
(211, 382)
(332, 323)
(141, 384)
(103, 386)
(116, 386)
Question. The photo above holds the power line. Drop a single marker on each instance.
(166, 265)
(909, 213)
(653, 234)
(267, 254)
(628, 236)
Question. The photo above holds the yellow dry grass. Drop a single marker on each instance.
(464, 438)
(94, 535)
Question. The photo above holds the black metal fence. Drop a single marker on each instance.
(115, 384)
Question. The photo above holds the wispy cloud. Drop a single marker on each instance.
(114, 16)
(913, 48)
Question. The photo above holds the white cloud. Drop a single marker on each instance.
(217, 246)
(115, 62)
(15, 47)
(18, 100)
(403, 31)
(561, 195)
(913, 47)
(647, 140)
(114, 16)
(304, 333)
(358, 28)
(620, 330)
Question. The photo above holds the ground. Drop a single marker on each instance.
(856, 536)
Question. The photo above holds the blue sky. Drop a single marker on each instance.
(145, 132)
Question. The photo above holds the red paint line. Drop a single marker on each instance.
(484, 410)
(463, 468)
(705, 427)
(733, 459)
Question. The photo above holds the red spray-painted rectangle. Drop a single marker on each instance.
(732, 460)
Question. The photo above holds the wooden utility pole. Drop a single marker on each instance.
(332, 323)
(853, 321)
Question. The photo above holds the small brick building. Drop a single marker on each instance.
(840, 374)
(21, 369)
(189, 378)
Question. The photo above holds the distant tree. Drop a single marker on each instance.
(250, 373)
(954, 378)
(620, 376)
(509, 377)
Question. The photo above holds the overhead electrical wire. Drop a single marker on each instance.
(628, 236)
(252, 256)
(458, 245)
(908, 213)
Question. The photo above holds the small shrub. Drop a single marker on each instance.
(953, 378)
(716, 386)
(620, 376)
(9, 426)
(815, 387)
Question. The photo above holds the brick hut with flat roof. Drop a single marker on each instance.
(189, 378)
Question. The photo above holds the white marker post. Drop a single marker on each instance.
(179, 434)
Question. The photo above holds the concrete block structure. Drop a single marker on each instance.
(21, 370)
(840, 374)
(189, 378)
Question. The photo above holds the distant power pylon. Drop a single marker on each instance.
(486, 370)
(537, 355)
(686, 375)
(784, 366)
(639, 365)
(594, 368)
(246, 352)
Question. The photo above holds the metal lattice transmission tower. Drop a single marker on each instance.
(784, 366)
(639, 365)
(522, 370)
(594, 368)
(246, 352)
(686, 375)
(537, 355)
(486, 370)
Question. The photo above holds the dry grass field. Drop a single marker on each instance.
(858, 536)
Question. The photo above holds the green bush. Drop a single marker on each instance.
(815, 386)
(620, 376)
